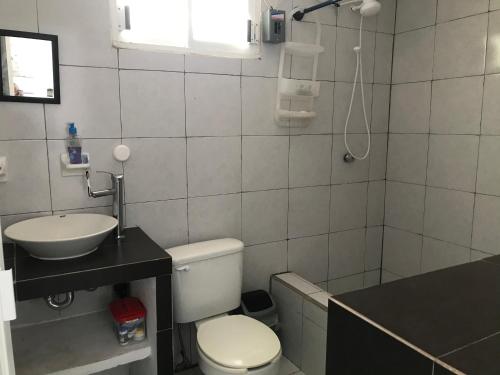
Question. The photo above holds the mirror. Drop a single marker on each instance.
(30, 67)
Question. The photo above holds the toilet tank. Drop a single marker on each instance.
(206, 278)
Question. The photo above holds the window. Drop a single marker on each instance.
(208, 27)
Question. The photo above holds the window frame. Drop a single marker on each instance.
(194, 47)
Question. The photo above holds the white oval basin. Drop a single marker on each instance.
(62, 236)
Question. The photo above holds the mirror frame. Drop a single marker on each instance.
(55, 68)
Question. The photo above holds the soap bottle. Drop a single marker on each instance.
(74, 145)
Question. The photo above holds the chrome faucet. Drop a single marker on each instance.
(117, 191)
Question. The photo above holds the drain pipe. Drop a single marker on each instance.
(55, 303)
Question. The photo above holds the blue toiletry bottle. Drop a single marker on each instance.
(74, 145)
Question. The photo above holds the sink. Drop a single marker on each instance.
(61, 236)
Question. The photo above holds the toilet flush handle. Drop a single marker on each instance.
(182, 268)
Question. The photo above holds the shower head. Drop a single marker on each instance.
(369, 8)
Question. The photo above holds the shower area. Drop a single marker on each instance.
(420, 190)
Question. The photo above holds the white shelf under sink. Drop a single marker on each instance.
(75, 346)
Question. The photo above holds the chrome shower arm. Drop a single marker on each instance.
(299, 13)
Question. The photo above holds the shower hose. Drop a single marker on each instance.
(359, 72)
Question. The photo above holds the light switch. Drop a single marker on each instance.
(3, 168)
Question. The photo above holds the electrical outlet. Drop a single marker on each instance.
(3, 168)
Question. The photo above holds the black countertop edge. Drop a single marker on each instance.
(393, 335)
(99, 269)
(135, 257)
(475, 358)
(432, 314)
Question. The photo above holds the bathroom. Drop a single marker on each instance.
(366, 195)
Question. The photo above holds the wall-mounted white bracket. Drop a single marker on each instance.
(68, 169)
(3, 169)
(121, 153)
(298, 94)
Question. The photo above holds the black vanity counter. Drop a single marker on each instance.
(134, 257)
(442, 322)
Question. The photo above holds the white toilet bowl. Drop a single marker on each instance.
(237, 344)
(206, 284)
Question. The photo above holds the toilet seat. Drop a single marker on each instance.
(238, 342)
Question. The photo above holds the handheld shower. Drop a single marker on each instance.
(369, 8)
(366, 8)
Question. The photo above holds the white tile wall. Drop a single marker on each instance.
(404, 207)
(22, 121)
(207, 159)
(28, 178)
(402, 252)
(347, 251)
(375, 209)
(453, 161)
(214, 217)
(150, 60)
(264, 216)
(461, 47)
(309, 211)
(156, 169)
(491, 112)
(26, 15)
(308, 257)
(413, 55)
(90, 98)
(488, 177)
(410, 108)
(84, 43)
(407, 158)
(439, 254)
(348, 206)
(213, 106)
(444, 180)
(457, 105)
(144, 110)
(492, 57)
(486, 236)
(258, 172)
(415, 14)
(261, 261)
(380, 108)
(310, 159)
(452, 9)
(343, 173)
(214, 165)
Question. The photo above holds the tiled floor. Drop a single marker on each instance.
(286, 368)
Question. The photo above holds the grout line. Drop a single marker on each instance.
(188, 232)
(241, 152)
(476, 184)
(436, 23)
(428, 149)
(423, 236)
(470, 344)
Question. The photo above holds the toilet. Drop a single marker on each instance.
(206, 285)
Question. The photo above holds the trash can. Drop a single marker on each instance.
(260, 305)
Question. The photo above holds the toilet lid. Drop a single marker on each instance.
(238, 341)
